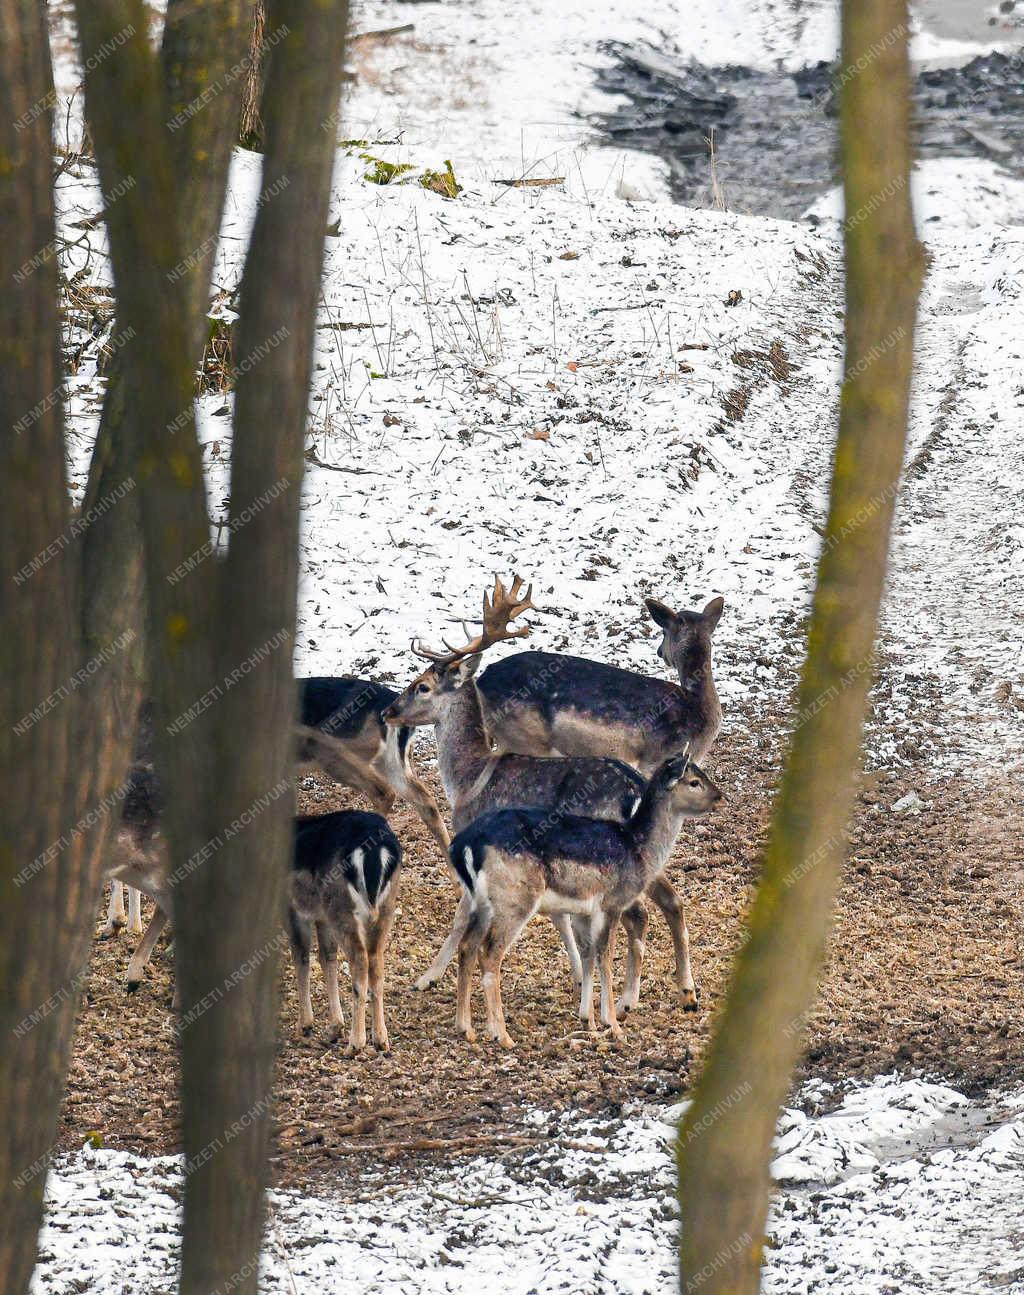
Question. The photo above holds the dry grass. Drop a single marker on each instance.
(924, 974)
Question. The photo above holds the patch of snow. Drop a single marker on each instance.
(950, 193)
(907, 1186)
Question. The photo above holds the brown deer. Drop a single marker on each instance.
(345, 882)
(515, 863)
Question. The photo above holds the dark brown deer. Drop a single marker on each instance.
(515, 863)
(341, 732)
(542, 703)
(477, 779)
(138, 860)
(345, 882)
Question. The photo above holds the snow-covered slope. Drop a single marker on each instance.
(618, 399)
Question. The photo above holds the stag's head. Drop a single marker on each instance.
(686, 638)
(423, 700)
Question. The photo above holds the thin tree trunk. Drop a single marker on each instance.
(724, 1143)
(231, 909)
(250, 122)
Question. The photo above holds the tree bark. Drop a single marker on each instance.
(725, 1141)
(232, 908)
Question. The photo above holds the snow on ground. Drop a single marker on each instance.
(906, 1185)
(586, 393)
(949, 193)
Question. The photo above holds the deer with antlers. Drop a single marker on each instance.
(477, 780)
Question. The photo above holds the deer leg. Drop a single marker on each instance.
(134, 911)
(635, 919)
(327, 948)
(115, 910)
(378, 1026)
(300, 939)
(586, 947)
(505, 928)
(605, 949)
(404, 779)
(142, 955)
(563, 925)
(359, 967)
(469, 946)
(447, 951)
(664, 894)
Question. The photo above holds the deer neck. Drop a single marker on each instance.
(463, 751)
(655, 829)
(699, 685)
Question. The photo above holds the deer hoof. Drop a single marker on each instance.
(132, 985)
(383, 1046)
(469, 1034)
(110, 930)
(690, 1000)
(306, 1030)
(351, 1051)
(506, 1041)
(424, 983)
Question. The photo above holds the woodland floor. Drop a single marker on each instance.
(923, 977)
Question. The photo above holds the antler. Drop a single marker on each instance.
(501, 607)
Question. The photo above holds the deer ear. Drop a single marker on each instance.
(662, 616)
(713, 612)
(675, 767)
(465, 668)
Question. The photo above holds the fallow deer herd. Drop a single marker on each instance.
(568, 782)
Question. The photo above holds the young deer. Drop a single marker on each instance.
(476, 780)
(340, 731)
(345, 881)
(138, 860)
(518, 862)
(540, 703)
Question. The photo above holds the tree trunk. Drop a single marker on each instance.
(43, 901)
(232, 908)
(221, 633)
(725, 1141)
(250, 122)
(72, 641)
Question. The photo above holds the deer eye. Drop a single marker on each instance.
(423, 687)
(694, 783)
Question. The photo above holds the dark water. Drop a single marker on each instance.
(775, 132)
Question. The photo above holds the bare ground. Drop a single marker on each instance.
(923, 975)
